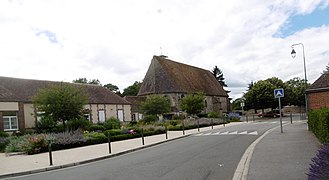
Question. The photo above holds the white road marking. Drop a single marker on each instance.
(253, 133)
(234, 132)
(228, 133)
(244, 132)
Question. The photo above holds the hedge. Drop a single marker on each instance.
(318, 122)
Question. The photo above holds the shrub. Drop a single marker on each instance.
(112, 123)
(95, 137)
(174, 122)
(16, 144)
(35, 144)
(4, 141)
(46, 125)
(213, 114)
(318, 122)
(202, 115)
(65, 140)
(113, 132)
(178, 117)
(149, 119)
(81, 123)
(96, 127)
(319, 169)
(233, 117)
(3, 134)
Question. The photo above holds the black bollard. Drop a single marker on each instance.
(109, 141)
(290, 118)
(183, 129)
(143, 142)
(198, 126)
(50, 153)
(212, 124)
(166, 131)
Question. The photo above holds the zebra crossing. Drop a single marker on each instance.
(271, 122)
(219, 133)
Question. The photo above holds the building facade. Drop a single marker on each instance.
(318, 93)
(17, 111)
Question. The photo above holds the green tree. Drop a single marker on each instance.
(112, 87)
(260, 96)
(296, 91)
(193, 103)
(85, 81)
(155, 105)
(236, 104)
(81, 80)
(219, 76)
(132, 90)
(61, 103)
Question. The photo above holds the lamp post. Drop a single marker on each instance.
(293, 54)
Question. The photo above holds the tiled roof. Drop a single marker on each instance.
(167, 76)
(22, 90)
(322, 83)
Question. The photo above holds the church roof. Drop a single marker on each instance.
(167, 76)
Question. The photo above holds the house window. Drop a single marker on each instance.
(101, 116)
(10, 123)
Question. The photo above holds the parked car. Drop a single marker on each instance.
(275, 113)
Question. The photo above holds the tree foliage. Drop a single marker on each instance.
(155, 105)
(112, 87)
(219, 76)
(61, 103)
(193, 103)
(296, 87)
(260, 95)
(132, 90)
(85, 81)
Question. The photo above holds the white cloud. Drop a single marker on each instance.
(114, 41)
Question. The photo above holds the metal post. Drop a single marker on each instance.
(143, 142)
(212, 124)
(280, 115)
(166, 131)
(50, 153)
(293, 52)
(290, 118)
(198, 126)
(109, 141)
(253, 118)
(247, 117)
(183, 128)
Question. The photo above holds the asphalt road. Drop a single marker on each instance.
(209, 155)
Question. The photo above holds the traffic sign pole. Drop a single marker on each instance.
(280, 115)
(279, 93)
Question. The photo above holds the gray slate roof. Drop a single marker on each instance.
(22, 90)
(167, 76)
(321, 84)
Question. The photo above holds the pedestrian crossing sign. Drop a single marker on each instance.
(278, 93)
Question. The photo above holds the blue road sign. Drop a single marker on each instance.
(278, 93)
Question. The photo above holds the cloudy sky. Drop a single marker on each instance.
(114, 41)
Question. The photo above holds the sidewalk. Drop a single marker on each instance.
(27, 164)
(284, 155)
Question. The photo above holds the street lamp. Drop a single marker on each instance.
(293, 55)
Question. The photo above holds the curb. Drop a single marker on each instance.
(89, 160)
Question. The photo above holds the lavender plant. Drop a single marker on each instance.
(319, 169)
